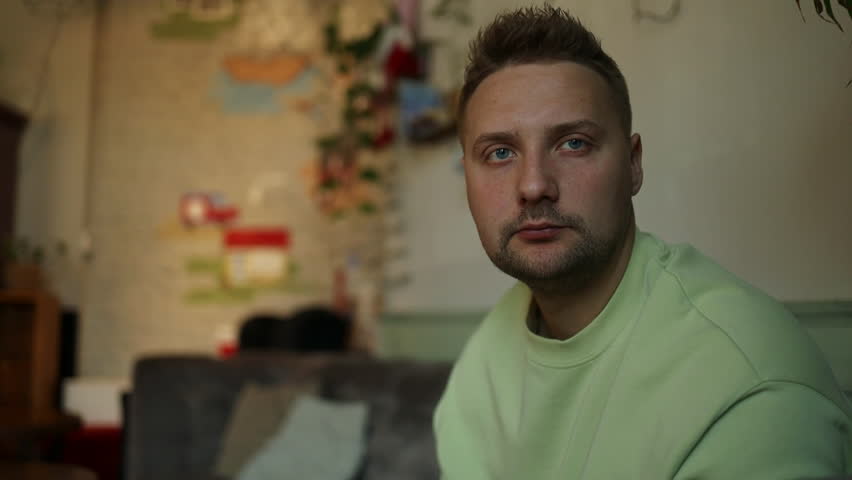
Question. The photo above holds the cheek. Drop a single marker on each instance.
(480, 201)
(600, 195)
(590, 191)
(488, 206)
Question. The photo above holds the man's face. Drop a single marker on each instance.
(550, 172)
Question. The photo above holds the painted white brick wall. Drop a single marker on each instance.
(158, 133)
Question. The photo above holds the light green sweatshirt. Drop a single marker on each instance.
(687, 373)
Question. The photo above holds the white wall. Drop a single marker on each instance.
(748, 156)
(448, 270)
(53, 164)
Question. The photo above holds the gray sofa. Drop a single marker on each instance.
(180, 406)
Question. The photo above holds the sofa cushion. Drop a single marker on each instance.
(402, 396)
(257, 415)
(320, 440)
(181, 406)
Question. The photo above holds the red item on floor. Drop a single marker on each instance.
(97, 448)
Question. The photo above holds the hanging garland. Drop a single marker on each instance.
(369, 61)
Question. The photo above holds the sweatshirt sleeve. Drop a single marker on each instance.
(779, 431)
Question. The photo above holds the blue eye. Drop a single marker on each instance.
(501, 154)
(575, 144)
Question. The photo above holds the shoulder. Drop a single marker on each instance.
(746, 322)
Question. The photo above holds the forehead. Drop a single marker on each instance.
(533, 96)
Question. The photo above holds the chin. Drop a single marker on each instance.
(531, 266)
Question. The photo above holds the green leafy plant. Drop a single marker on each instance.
(456, 10)
(825, 10)
(22, 250)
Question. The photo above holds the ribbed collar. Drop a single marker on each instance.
(621, 309)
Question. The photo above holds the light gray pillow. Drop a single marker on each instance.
(257, 413)
(320, 440)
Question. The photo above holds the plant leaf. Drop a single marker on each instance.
(365, 139)
(329, 142)
(370, 174)
(329, 184)
(819, 9)
(847, 4)
(799, 6)
(367, 208)
(829, 10)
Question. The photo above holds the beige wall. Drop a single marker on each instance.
(53, 164)
(745, 121)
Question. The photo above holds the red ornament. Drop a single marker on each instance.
(401, 63)
(384, 138)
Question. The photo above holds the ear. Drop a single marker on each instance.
(636, 173)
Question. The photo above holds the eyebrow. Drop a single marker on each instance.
(552, 133)
(495, 137)
(586, 126)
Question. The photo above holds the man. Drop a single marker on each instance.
(616, 356)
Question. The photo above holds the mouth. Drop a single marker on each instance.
(539, 231)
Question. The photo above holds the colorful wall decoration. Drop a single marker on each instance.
(372, 46)
(236, 260)
(202, 208)
(251, 89)
(426, 116)
(252, 261)
(196, 19)
(350, 66)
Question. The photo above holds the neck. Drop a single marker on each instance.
(566, 313)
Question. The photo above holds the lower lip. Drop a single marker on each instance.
(540, 234)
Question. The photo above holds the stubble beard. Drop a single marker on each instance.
(568, 269)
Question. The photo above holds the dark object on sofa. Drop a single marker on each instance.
(181, 405)
(314, 329)
(321, 330)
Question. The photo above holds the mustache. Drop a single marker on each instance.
(542, 212)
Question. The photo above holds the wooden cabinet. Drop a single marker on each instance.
(29, 349)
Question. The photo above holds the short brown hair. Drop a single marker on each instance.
(543, 34)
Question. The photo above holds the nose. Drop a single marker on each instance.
(536, 180)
